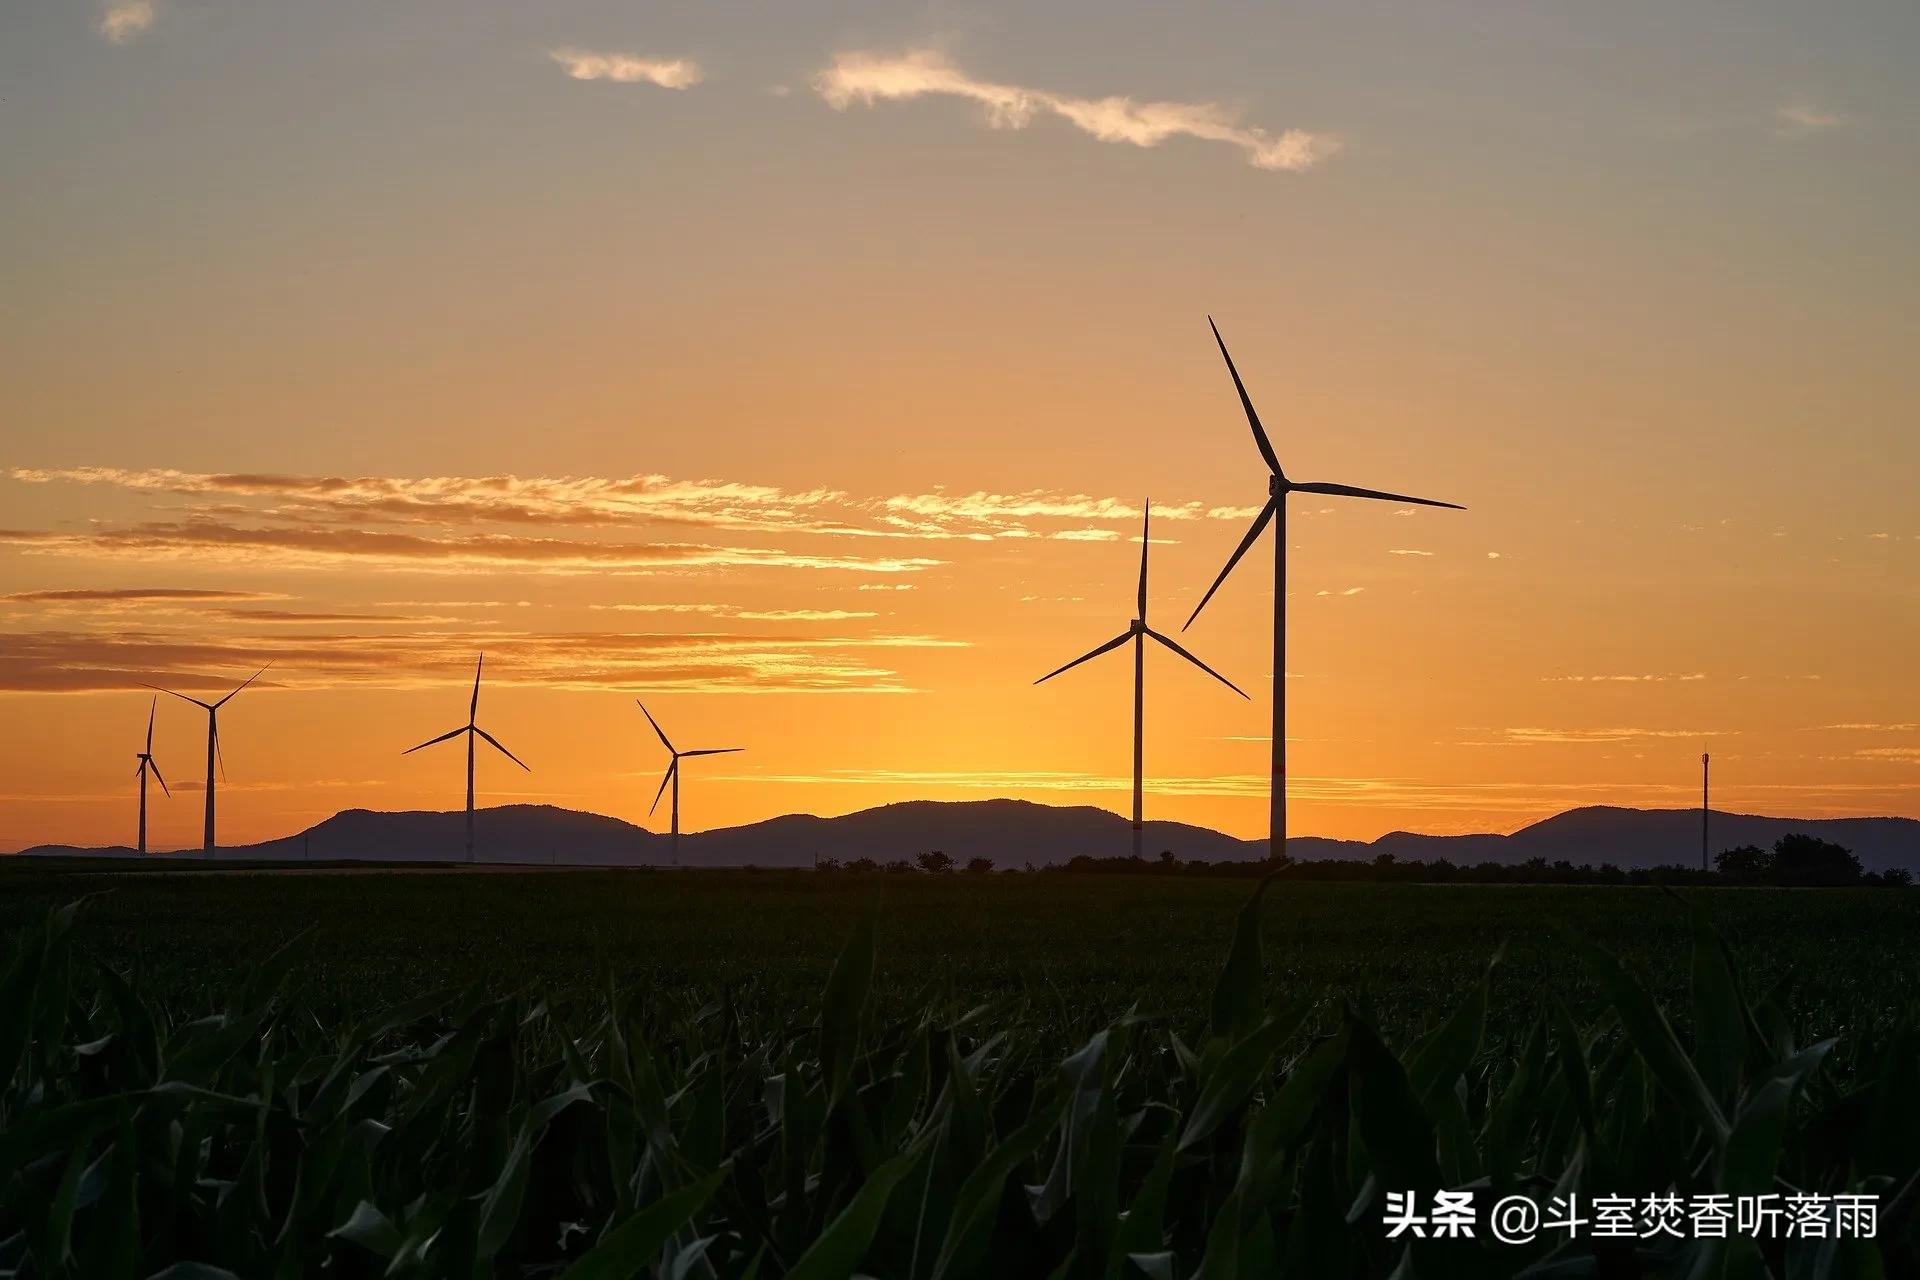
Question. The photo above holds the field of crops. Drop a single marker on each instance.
(1079, 950)
(735, 1074)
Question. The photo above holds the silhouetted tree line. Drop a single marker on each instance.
(1794, 860)
(1802, 860)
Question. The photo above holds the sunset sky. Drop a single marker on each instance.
(802, 369)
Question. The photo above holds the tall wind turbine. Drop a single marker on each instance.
(673, 772)
(1138, 633)
(1278, 487)
(147, 766)
(214, 754)
(473, 730)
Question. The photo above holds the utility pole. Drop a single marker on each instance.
(1705, 808)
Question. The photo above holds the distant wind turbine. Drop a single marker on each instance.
(673, 772)
(214, 754)
(473, 730)
(147, 766)
(1275, 510)
(1138, 632)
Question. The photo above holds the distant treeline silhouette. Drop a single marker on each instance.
(1794, 861)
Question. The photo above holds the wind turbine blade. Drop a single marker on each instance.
(243, 684)
(218, 754)
(1167, 641)
(712, 751)
(473, 707)
(665, 778)
(1259, 523)
(162, 778)
(1114, 643)
(1348, 491)
(502, 750)
(656, 725)
(451, 733)
(152, 707)
(1146, 517)
(208, 706)
(1253, 419)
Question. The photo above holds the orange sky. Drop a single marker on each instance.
(808, 386)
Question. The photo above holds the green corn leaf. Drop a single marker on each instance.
(1647, 1027)
(1720, 1017)
(369, 1228)
(842, 1004)
(630, 1248)
(1237, 1073)
(978, 1200)
(1395, 1127)
(1239, 993)
(845, 1241)
(19, 994)
(1445, 1055)
(1143, 1230)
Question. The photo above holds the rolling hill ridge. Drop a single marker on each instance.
(1016, 833)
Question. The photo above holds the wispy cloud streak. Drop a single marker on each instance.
(866, 77)
(204, 540)
(629, 68)
(125, 21)
(700, 662)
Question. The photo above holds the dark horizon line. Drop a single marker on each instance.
(1118, 817)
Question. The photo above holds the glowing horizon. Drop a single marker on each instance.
(806, 377)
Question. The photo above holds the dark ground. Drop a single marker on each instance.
(1081, 949)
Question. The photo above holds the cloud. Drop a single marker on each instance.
(203, 541)
(1627, 678)
(125, 21)
(1525, 801)
(734, 611)
(867, 78)
(111, 596)
(629, 68)
(297, 616)
(534, 500)
(1532, 737)
(803, 615)
(703, 662)
(619, 502)
(1021, 780)
(1801, 119)
(1407, 551)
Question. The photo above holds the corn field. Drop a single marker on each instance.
(462, 1134)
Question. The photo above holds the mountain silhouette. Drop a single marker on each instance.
(1017, 833)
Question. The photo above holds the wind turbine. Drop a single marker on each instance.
(1138, 632)
(1275, 510)
(214, 754)
(147, 766)
(673, 772)
(473, 730)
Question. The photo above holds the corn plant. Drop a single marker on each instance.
(464, 1135)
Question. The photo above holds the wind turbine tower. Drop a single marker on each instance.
(1138, 633)
(1706, 808)
(1275, 511)
(147, 766)
(214, 755)
(673, 772)
(473, 731)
